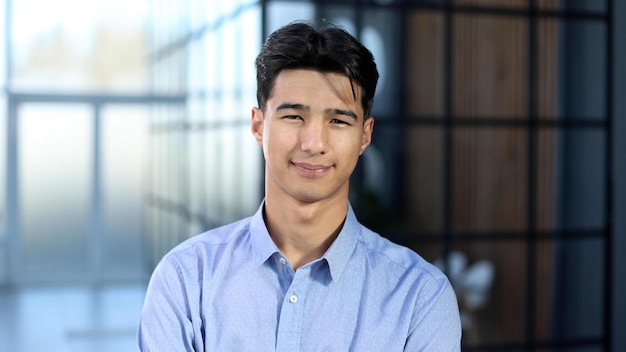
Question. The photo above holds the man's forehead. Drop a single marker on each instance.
(285, 88)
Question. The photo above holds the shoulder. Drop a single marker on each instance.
(434, 301)
(217, 236)
(397, 258)
(210, 244)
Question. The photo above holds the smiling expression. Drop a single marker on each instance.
(312, 133)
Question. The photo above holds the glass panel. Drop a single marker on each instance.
(178, 13)
(2, 44)
(251, 167)
(280, 13)
(229, 69)
(342, 15)
(233, 163)
(382, 35)
(228, 7)
(55, 179)
(212, 160)
(584, 5)
(230, 162)
(171, 75)
(3, 166)
(103, 49)
(583, 59)
(377, 190)
(250, 24)
(3, 133)
(226, 149)
(197, 13)
(218, 10)
(582, 193)
(494, 3)
(4, 240)
(70, 318)
(196, 64)
(580, 290)
(231, 171)
(168, 178)
(212, 64)
(163, 27)
(197, 177)
(123, 151)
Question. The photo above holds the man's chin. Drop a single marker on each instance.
(310, 196)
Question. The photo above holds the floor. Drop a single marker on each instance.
(69, 319)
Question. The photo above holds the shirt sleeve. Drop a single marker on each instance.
(436, 320)
(167, 321)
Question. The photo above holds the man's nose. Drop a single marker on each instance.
(314, 138)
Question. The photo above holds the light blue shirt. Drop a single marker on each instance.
(230, 289)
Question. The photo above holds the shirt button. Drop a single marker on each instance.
(293, 299)
(282, 260)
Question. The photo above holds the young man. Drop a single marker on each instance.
(302, 274)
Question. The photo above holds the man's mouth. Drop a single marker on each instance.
(311, 170)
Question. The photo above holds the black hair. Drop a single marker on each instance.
(329, 49)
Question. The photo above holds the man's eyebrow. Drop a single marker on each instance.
(292, 106)
(348, 113)
(302, 107)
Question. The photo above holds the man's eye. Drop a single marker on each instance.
(292, 117)
(339, 122)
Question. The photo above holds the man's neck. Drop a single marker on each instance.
(304, 231)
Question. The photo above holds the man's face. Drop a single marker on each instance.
(312, 134)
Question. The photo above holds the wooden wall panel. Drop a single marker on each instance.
(489, 185)
(423, 150)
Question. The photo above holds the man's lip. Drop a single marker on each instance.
(311, 168)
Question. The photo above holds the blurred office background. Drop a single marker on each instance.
(499, 145)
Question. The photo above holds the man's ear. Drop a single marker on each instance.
(366, 138)
(257, 125)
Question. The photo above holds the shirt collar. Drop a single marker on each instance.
(337, 256)
(262, 245)
(340, 252)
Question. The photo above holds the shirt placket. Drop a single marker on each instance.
(290, 322)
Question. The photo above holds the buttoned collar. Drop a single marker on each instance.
(262, 247)
(337, 256)
(341, 250)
